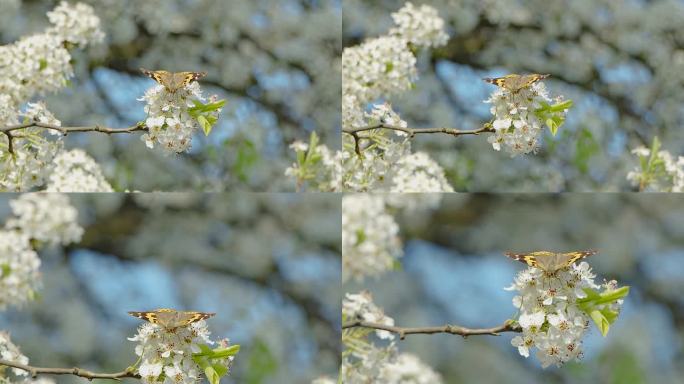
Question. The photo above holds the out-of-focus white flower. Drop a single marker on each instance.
(664, 173)
(169, 352)
(75, 171)
(19, 263)
(10, 352)
(416, 173)
(517, 128)
(75, 23)
(550, 317)
(29, 165)
(407, 368)
(324, 380)
(421, 25)
(360, 306)
(46, 217)
(370, 242)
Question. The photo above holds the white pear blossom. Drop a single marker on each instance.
(665, 173)
(10, 352)
(34, 66)
(169, 352)
(420, 25)
(19, 264)
(370, 242)
(517, 127)
(169, 120)
(360, 306)
(75, 171)
(366, 362)
(550, 318)
(46, 217)
(379, 68)
(76, 23)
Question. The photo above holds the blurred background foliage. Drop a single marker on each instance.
(265, 272)
(454, 272)
(276, 62)
(622, 62)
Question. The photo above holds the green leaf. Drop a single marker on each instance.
(220, 369)
(600, 321)
(42, 64)
(221, 353)
(6, 269)
(261, 363)
(585, 148)
(212, 376)
(204, 123)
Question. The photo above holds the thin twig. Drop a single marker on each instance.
(508, 326)
(354, 132)
(65, 130)
(34, 371)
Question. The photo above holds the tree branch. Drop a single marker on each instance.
(65, 130)
(354, 132)
(508, 326)
(34, 371)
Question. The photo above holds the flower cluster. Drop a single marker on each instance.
(378, 68)
(370, 242)
(75, 171)
(10, 352)
(176, 355)
(360, 306)
(19, 263)
(76, 24)
(519, 117)
(554, 311)
(36, 65)
(658, 170)
(420, 26)
(46, 218)
(366, 362)
(173, 117)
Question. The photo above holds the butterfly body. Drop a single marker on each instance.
(171, 318)
(514, 82)
(173, 81)
(550, 262)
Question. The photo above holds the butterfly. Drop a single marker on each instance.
(173, 81)
(550, 262)
(514, 82)
(171, 318)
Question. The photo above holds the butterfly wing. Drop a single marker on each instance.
(514, 82)
(183, 79)
(190, 317)
(504, 81)
(572, 257)
(533, 259)
(150, 316)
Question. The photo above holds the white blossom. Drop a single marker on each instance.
(169, 119)
(370, 242)
(75, 171)
(517, 127)
(19, 263)
(360, 306)
(551, 320)
(46, 217)
(667, 176)
(169, 352)
(421, 25)
(76, 23)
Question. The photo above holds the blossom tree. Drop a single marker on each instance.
(95, 257)
(377, 153)
(554, 306)
(93, 83)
